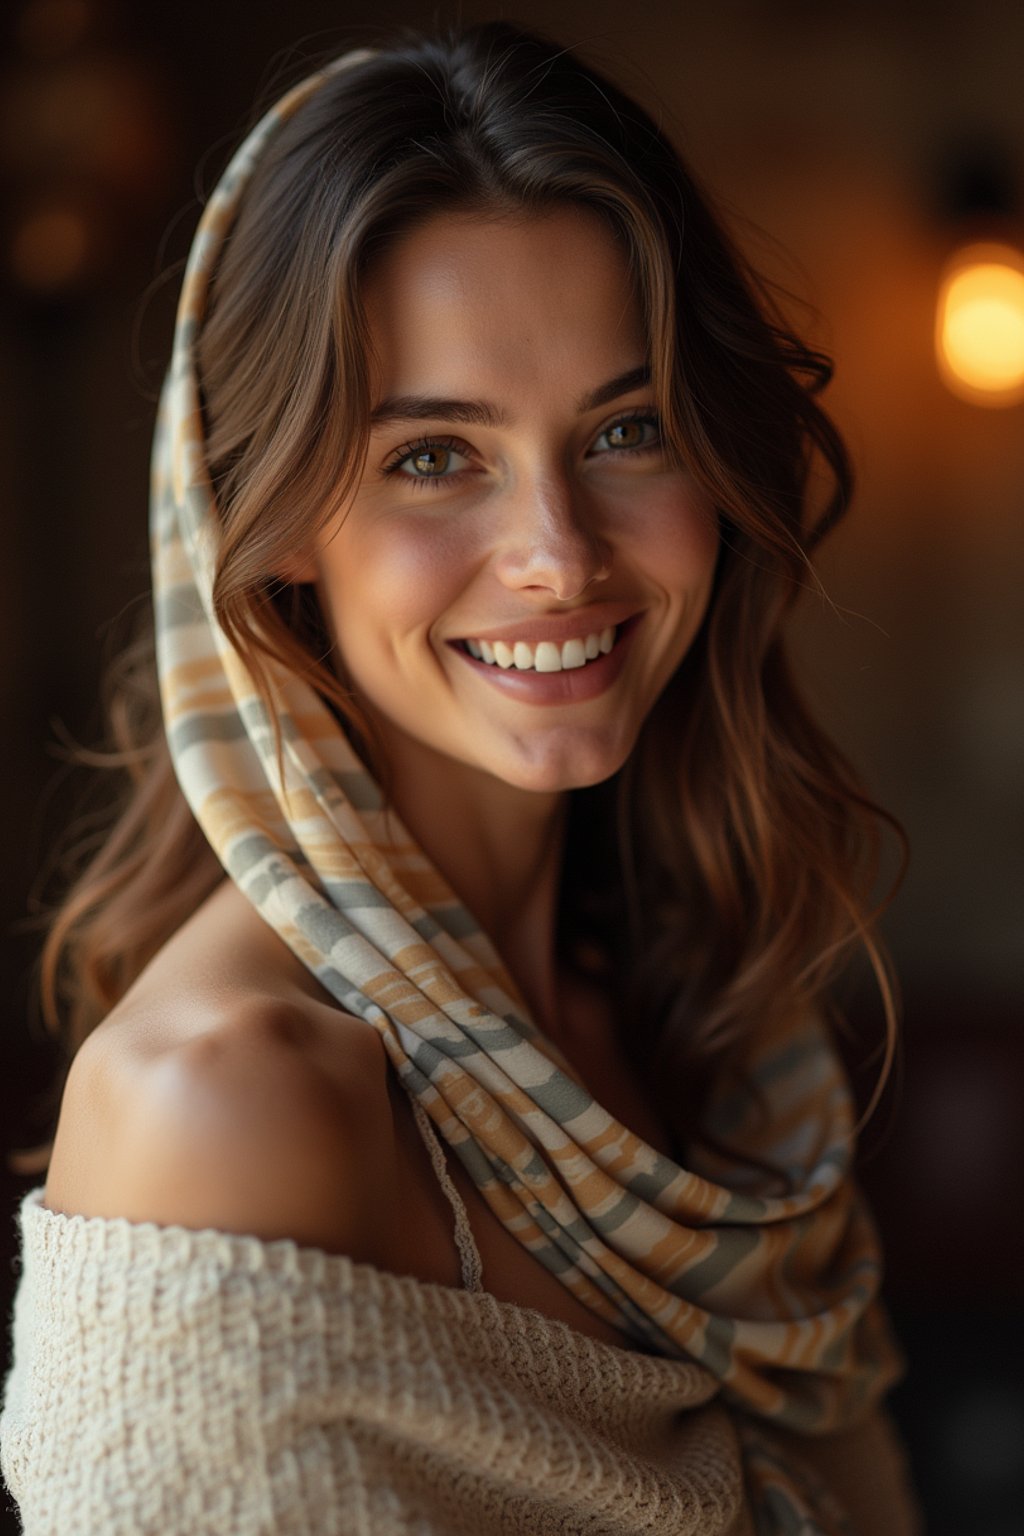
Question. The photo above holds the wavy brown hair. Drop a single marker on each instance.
(724, 875)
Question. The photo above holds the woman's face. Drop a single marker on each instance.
(520, 568)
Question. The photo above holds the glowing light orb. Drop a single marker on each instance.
(979, 328)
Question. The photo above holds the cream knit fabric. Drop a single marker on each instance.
(181, 1383)
(178, 1383)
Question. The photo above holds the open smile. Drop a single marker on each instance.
(546, 655)
(547, 673)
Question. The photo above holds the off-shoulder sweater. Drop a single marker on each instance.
(181, 1382)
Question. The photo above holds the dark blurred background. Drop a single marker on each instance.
(855, 147)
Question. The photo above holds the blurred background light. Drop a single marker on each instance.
(51, 247)
(87, 148)
(979, 332)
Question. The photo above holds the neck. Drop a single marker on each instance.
(500, 849)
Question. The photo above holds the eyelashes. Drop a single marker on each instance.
(436, 452)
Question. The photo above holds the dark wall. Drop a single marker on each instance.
(830, 133)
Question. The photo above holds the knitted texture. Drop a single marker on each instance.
(179, 1383)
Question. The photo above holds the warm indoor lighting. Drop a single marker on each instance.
(979, 331)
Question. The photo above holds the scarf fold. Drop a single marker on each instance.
(774, 1294)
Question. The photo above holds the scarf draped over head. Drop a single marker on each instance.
(774, 1293)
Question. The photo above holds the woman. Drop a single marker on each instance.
(481, 489)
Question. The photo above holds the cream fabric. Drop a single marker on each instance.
(178, 1383)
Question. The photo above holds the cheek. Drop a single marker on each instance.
(387, 580)
(680, 538)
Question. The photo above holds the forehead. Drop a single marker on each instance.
(511, 303)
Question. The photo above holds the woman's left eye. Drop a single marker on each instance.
(629, 434)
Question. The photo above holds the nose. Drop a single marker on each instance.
(552, 543)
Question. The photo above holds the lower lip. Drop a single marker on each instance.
(571, 687)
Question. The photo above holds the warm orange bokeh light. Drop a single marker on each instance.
(50, 248)
(979, 329)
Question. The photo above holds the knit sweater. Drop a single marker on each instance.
(186, 1382)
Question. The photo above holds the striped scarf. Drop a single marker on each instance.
(773, 1293)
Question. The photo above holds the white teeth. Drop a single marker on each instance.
(546, 656)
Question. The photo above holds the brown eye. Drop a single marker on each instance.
(633, 432)
(429, 462)
(625, 434)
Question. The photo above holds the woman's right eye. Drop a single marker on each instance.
(435, 459)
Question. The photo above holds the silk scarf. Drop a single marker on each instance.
(773, 1293)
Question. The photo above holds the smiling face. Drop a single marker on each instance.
(520, 568)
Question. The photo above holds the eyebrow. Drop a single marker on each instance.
(481, 413)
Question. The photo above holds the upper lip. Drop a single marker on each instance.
(558, 627)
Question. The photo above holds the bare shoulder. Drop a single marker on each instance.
(225, 1092)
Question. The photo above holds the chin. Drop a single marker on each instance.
(557, 772)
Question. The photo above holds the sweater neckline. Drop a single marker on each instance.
(118, 1240)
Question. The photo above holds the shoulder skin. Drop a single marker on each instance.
(227, 1090)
